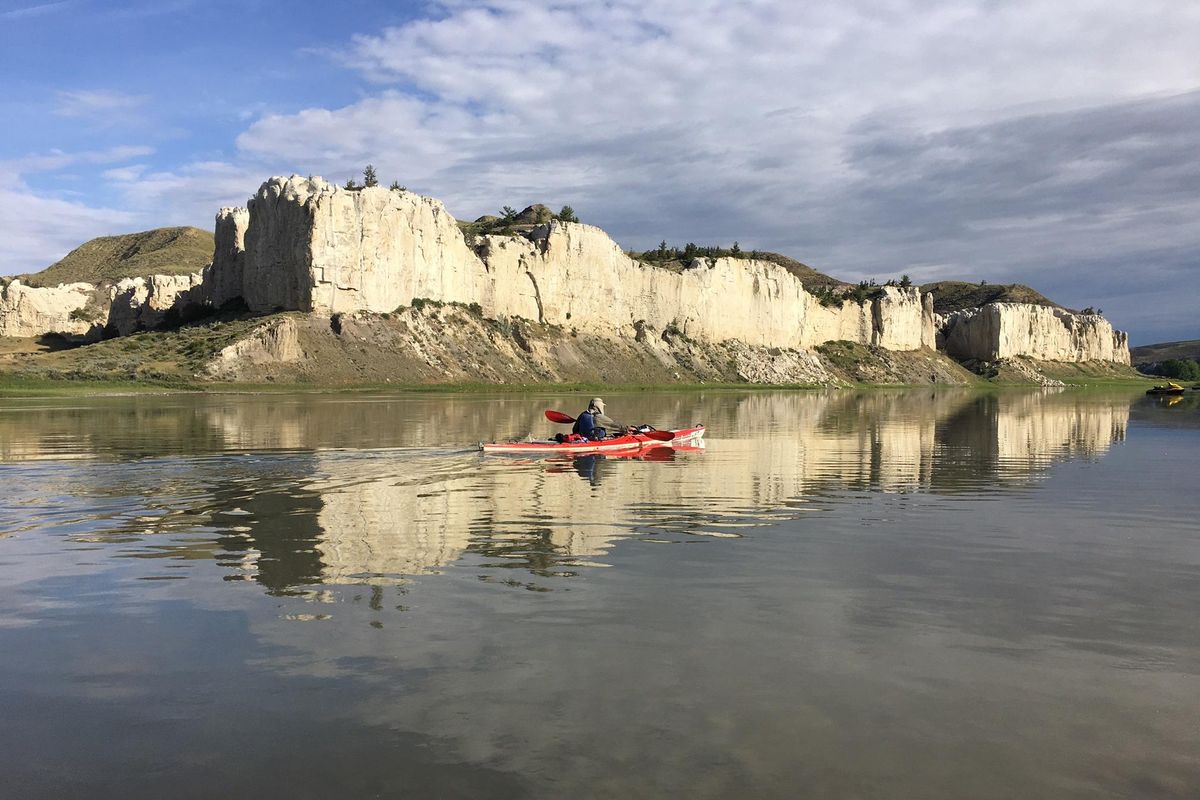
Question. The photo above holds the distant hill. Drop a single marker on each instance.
(1155, 353)
(162, 251)
(957, 295)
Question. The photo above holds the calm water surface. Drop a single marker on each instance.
(845, 595)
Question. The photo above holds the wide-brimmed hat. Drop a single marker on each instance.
(597, 404)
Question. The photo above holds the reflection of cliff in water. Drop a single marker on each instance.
(1014, 437)
(303, 490)
(366, 516)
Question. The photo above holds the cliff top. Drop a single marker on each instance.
(675, 259)
(957, 295)
(162, 251)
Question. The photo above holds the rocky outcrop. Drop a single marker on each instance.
(225, 277)
(85, 311)
(68, 310)
(1006, 330)
(138, 304)
(276, 342)
(447, 344)
(313, 246)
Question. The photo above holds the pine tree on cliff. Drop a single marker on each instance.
(567, 214)
(369, 177)
(351, 184)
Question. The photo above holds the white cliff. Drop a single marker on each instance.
(225, 277)
(304, 244)
(35, 311)
(313, 246)
(143, 303)
(1005, 330)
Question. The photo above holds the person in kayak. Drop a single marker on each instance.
(594, 423)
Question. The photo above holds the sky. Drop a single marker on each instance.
(1049, 142)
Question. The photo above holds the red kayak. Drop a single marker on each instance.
(628, 443)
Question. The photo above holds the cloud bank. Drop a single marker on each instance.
(1047, 143)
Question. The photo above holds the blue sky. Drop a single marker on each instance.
(1049, 143)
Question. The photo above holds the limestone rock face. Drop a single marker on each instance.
(28, 311)
(81, 310)
(574, 275)
(274, 343)
(224, 279)
(313, 246)
(140, 303)
(1005, 330)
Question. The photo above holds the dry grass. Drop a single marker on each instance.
(162, 251)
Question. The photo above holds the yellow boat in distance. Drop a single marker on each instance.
(1170, 388)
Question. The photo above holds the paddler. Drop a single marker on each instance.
(594, 423)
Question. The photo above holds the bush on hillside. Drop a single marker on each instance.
(1184, 369)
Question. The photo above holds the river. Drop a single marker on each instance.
(876, 594)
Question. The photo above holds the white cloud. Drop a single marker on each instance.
(125, 174)
(42, 227)
(191, 194)
(774, 123)
(710, 96)
(101, 105)
(58, 159)
(36, 10)
(49, 227)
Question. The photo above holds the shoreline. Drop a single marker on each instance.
(13, 386)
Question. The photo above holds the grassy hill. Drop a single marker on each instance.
(1153, 353)
(162, 251)
(957, 295)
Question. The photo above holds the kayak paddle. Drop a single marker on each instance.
(558, 416)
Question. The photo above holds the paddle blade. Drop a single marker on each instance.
(662, 436)
(559, 417)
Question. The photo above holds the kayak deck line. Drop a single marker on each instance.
(617, 444)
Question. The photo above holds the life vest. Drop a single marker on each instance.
(585, 423)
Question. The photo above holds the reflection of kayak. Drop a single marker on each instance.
(1170, 388)
(624, 445)
(653, 451)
